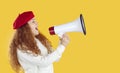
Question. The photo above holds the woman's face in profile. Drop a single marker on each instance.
(34, 26)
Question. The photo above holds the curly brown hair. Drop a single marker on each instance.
(24, 40)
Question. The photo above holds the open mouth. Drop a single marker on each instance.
(36, 28)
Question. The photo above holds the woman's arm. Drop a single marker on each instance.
(45, 60)
(42, 60)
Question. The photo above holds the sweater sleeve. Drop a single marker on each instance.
(42, 60)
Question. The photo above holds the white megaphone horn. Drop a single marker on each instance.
(77, 25)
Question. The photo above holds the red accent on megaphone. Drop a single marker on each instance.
(51, 31)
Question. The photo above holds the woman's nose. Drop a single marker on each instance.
(36, 24)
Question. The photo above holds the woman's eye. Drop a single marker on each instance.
(33, 22)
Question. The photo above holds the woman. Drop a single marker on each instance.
(30, 50)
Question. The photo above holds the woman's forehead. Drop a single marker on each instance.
(31, 20)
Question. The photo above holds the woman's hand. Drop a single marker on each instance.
(64, 40)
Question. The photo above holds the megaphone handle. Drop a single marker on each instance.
(60, 34)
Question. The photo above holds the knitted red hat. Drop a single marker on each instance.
(22, 19)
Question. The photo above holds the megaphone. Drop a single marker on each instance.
(77, 25)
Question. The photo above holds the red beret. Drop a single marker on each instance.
(22, 19)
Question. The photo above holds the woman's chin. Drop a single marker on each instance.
(36, 34)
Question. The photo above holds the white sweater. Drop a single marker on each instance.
(42, 63)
